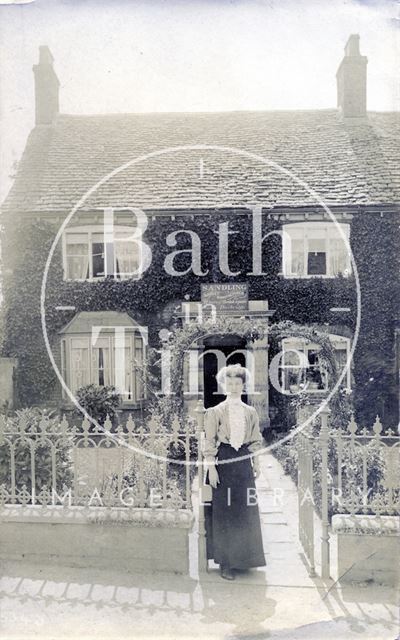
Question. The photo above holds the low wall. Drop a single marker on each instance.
(130, 540)
(368, 548)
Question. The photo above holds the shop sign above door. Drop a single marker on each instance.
(229, 296)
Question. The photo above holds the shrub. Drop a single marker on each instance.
(352, 462)
(35, 426)
(99, 401)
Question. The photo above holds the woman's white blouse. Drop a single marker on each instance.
(234, 424)
(237, 423)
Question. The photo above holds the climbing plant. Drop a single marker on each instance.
(376, 247)
(181, 339)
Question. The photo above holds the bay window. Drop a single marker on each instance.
(85, 361)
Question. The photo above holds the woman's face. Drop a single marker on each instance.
(233, 386)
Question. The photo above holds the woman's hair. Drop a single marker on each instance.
(233, 371)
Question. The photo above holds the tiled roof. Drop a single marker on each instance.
(344, 163)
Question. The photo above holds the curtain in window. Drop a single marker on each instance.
(293, 251)
(132, 373)
(127, 258)
(79, 363)
(138, 367)
(101, 364)
(338, 258)
(297, 257)
(123, 371)
(129, 374)
(77, 256)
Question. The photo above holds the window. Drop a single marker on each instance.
(301, 367)
(315, 249)
(85, 363)
(87, 257)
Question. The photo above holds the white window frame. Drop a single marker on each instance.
(302, 231)
(92, 230)
(303, 346)
(139, 390)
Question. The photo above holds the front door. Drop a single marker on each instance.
(226, 345)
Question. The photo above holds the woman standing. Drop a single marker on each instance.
(232, 519)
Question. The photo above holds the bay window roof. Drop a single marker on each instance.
(84, 321)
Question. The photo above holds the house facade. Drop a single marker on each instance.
(119, 227)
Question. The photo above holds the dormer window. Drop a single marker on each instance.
(312, 249)
(86, 256)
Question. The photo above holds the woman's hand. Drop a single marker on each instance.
(213, 475)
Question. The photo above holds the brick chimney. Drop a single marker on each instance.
(352, 81)
(46, 88)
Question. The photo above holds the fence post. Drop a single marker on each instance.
(324, 441)
(309, 488)
(202, 553)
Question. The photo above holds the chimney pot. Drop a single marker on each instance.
(46, 88)
(352, 47)
(45, 55)
(352, 80)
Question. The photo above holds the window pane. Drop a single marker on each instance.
(64, 364)
(316, 263)
(77, 249)
(127, 257)
(316, 232)
(292, 358)
(123, 371)
(314, 375)
(291, 376)
(292, 364)
(132, 372)
(138, 368)
(77, 238)
(78, 267)
(98, 259)
(339, 260)
(316, 245)
(77, 257)
(128, 374)
(101, 365)
(297, 258)
(127, 235)
(335, 232)
(79, 363)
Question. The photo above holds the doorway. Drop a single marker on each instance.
(226, 345)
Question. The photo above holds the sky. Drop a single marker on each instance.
(121, 56)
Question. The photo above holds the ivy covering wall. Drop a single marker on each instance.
(376, 245)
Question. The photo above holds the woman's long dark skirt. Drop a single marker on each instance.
(232, 519)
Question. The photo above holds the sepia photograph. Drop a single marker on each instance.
(199, 319)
